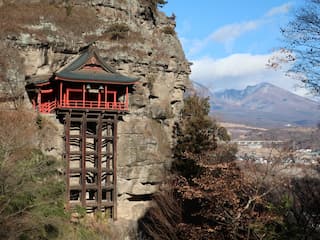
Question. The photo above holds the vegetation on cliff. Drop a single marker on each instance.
(31, 190)
(46, 18)
(32, 186)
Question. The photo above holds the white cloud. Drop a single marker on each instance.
(230, 32)
(225, 35)
(196, 46)
(282, 9)
(238, 71)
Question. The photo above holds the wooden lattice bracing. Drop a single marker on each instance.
(91, 145)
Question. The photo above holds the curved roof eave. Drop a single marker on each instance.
(71, 71)
(103, 81)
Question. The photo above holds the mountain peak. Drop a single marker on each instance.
(265, 105)
(265, 84)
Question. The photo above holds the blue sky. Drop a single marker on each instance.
(230, 42)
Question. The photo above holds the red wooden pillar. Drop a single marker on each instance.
(99, 98)
(55, 100)
(39, 101)
(60, 97)
(127, 98)
(106, 96)
(84, 95)
(68, 90)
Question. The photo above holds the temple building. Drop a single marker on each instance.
(85, 83)
(88, 97)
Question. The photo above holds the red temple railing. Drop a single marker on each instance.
(49, 107)
(94, 105)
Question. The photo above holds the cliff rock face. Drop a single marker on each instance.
(39, 37)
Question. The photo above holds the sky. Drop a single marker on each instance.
(230, 42)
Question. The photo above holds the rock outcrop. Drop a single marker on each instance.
(39, 37)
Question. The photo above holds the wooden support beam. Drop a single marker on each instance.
(114, 166)
(99, 163)
(92, 186)
(109, 159)
(93, 170)
(97, 154)
(93, 204)
(83, 159)
(67, 155)
(83, 94)
(106, 96)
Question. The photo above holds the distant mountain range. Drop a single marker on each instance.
(262, 105)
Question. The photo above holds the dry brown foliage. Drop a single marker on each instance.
(222, 204)
(224, 199)
(30, 188)
(118, 31)
(159, 222)
(17, 132)
(16, 18)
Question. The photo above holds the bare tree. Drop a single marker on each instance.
(302, 36)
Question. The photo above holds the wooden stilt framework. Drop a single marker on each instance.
(88, 95)
(91, 146)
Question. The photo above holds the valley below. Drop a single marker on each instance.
(294, 150)
(269, 124)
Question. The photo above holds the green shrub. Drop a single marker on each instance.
(197, 139)
(31, 197)
(193, 137)
(31, 188)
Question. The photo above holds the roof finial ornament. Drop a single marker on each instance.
(88, 47)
